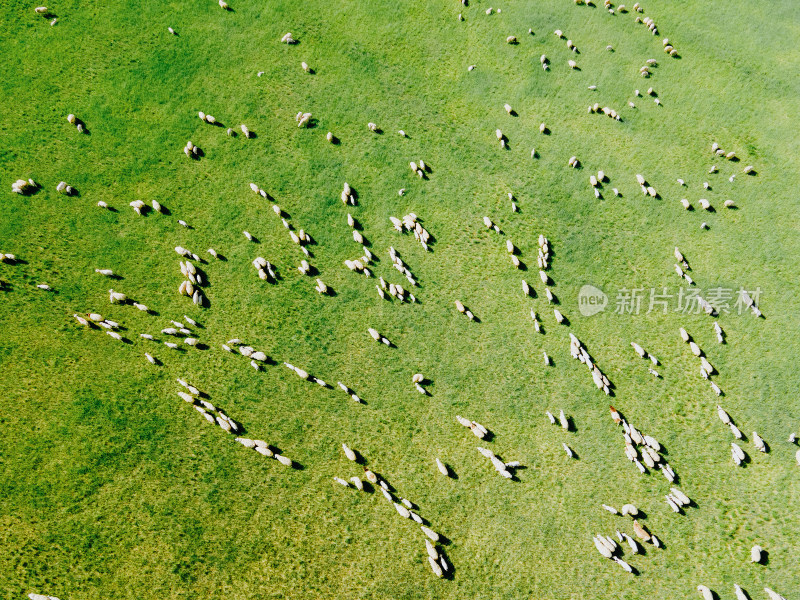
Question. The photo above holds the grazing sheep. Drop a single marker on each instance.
(758, 442)
(442, 468)
(755, 554)
(723, 416)
(706, 592)
(601, 547)
(430, 533)
(737, 452)
(349, 453)
(641, 532)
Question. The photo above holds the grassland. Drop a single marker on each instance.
(114, 487)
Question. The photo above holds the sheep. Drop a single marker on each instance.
(559, 317)
(601, 547)
(758, 442)
(430, 533)
(755, 554)
(706, 592)
(544, 277)
(737, 452)
(641, 532)
(442, 468)
(629, 509)
(349, 453)
(622, 564)
(224, 5)
(372, 127)
(672, 504)
(568, 450)
(572, 64)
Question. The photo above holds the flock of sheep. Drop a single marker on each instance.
(641, 449)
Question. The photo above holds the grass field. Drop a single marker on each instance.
(114, 487)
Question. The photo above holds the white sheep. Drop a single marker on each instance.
(349, 453)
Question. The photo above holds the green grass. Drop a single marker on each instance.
(114, 486)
